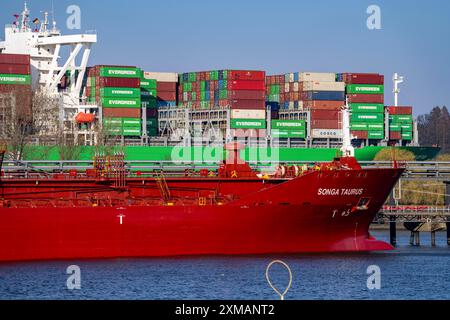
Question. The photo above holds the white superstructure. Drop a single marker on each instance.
(45, 44)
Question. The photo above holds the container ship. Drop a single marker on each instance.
(155, 114)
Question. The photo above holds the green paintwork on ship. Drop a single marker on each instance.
(211, 154)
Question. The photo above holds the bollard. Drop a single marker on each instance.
(393, 230)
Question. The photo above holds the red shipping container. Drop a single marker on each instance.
(247, 104)
(329, 105)
(400, 110)
(246, 75)
(395, 135)
(121, 112)
(249, 133)
(324, 114)
(118, 82)
(14, 69)
(7, 58)
(365, 98)
(167, 96)
(15, 88)
(360, 134)
(363, 78)
(246, 94)
(246, 85)
(166, 86)
(325, 124)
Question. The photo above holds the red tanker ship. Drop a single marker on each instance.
(108, 211)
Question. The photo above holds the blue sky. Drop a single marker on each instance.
(277, 36)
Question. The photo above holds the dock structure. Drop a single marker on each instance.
(417, 219)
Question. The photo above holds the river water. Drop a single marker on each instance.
(406, 273)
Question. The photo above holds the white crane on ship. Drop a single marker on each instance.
(48, 68)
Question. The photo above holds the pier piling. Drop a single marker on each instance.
(433, 238)
(447, 204)
(417, 238)
(393, 230)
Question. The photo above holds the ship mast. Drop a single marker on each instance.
(24, 25)
(347, 149)
(397, 80)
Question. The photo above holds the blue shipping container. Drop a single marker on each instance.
(163, 103)
(326, 95)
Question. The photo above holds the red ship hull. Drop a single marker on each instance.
(315, 212)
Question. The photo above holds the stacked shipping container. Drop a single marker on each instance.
(365, 94)
(117, 90)
(149, 103)
(400, 123)
(15, 81)
(317, 92)
(243, 91)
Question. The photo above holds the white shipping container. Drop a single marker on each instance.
(291, 77)
(248, 114)
(317, 76)
(296, 86)
(286, 87)
(326, 133)
(323, 86)
(162, 76)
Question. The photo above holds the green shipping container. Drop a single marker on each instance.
(367, 117)
(376, 126)
(401, 118)
(288, 134)
(248, 123)
(148, 83)
(119, 72)
(131, 131)
(148, 93)
(121, 103)
(367, 107)
(289, 125)
(359, 126)
(131, 122)
(274, 89)
(365, 89)
(376, 135)
(15, 79)
(407, 136)
(112, 122)
(223, 94)
(395, 127)
(406, 127)
(120, 92)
